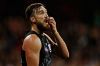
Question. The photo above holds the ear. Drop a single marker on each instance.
(32, 19)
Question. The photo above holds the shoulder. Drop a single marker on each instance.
(32, 42)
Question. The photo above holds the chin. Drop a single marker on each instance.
(47, 27)
(43, 28)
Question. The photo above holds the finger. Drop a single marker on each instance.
(51, 18)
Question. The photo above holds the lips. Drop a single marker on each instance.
(46, 20)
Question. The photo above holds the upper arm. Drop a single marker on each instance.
(32, 47)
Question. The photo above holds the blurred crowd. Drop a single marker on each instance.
(83, 42)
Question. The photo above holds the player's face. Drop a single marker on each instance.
(41, 18)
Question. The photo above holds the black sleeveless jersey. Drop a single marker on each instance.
(45, 53)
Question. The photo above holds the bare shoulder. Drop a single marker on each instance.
(32, 42)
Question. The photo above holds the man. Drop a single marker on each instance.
(37, 46)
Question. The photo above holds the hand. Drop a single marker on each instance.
(52, 24)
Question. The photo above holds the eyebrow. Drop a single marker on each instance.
(42, 10)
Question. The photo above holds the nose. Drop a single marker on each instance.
(47, 18)
(46, 15)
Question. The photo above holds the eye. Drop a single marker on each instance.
(41, 12)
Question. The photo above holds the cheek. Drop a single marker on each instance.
(46, 25)
(41, 17)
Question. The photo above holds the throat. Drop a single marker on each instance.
(34, 28)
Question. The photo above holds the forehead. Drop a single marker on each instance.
(41, 8)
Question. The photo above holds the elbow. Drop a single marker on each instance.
(66, 55)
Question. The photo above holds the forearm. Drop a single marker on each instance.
(61, 44)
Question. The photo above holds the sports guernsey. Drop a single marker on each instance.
(45, 52)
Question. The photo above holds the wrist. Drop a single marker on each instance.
(55, 32)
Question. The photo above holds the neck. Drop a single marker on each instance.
(35, 28)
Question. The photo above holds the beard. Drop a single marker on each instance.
(43, 27)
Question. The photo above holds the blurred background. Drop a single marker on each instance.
(78, 22)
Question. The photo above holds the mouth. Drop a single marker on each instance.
(46, 21)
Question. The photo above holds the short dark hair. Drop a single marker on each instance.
(30, 9)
